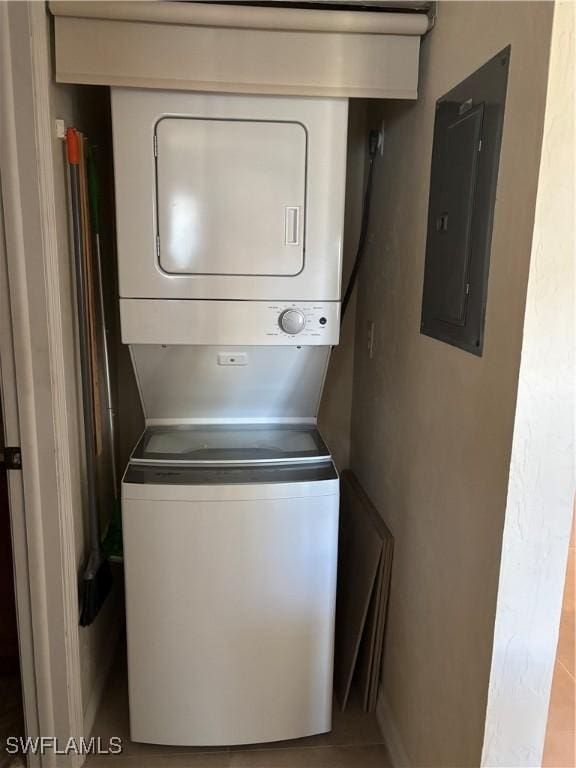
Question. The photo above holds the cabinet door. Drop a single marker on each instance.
(230, 196)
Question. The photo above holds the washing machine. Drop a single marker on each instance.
(230, 564)
(230, 226)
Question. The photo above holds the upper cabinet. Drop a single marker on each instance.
(240, 48)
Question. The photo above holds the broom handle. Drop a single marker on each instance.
(109, 403)
(73, 153)
(94, 194)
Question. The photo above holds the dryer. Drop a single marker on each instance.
(229, 196)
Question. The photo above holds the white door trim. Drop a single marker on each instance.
(16, 504)
(48, 571)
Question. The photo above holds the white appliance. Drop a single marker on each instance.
(229, 218)
(229, 197)
(230, 583)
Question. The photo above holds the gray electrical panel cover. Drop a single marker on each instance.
(465, 157)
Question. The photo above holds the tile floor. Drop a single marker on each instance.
(560, 747)
(354, 742)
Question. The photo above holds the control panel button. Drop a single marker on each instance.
(292, 321)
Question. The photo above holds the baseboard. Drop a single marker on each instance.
(396, 751)
(107, 657)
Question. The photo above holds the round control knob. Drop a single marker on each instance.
(292, 321)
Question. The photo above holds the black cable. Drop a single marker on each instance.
(374, 139)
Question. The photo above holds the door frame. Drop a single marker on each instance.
(9, 407)
(41, 498)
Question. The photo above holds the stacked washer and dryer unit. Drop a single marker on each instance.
(229, 221)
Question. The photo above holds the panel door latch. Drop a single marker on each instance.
(10, 458)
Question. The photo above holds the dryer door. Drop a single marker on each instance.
(230, 196)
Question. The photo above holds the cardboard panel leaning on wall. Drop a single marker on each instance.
(432, 425)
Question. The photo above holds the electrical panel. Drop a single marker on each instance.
(465, 157)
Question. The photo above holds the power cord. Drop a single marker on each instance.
(375, 139)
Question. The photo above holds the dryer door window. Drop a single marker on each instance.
(230, 196)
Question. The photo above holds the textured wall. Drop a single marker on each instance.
(541, 486)
(432, 425)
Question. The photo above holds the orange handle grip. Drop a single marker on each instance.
(72, 146)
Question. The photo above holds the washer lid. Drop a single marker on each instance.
(230, 445)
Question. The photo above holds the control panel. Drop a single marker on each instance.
(274, 323)
(305, 320)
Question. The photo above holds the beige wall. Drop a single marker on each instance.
(432, 425)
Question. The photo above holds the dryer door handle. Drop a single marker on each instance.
(292, 225)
